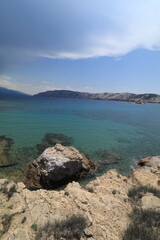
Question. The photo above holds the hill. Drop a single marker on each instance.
(8, 93)
(129, 97)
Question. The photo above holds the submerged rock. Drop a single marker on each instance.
(105, 158)
(57, 166)
(5, 148)
(51, 139)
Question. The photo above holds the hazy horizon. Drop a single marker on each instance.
(79, 91)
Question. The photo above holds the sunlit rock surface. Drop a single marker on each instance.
(104, 202)
(57, 166)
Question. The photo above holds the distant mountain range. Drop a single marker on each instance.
(129, 97)
(8, 93)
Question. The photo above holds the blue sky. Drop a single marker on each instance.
(87, 45)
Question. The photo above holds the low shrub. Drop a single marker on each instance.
(145, 225)
(136, 232)
(8, 191)
(34, 227)
(137, 193)
(6, 221)
(147, 217)
(70, 228)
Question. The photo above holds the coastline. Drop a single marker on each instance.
(124, 97)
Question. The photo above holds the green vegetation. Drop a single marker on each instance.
(8, 190)
(6, 221)
(145, 224)
(137, 193)
(34, 227)
(70, 228)
(10, 207)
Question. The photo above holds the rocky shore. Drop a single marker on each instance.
(105, 203)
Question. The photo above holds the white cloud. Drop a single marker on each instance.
(88, 88)
(78, 29)
(129, 25)
(6, 82)
(32, 87)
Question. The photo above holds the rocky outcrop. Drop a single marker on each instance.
(104, 202)
(57, 166)
(150, 163)
(149, 201)
(148, 172)
(106, 208)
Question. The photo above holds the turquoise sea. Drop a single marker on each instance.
(129, 130)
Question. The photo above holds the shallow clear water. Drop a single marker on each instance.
(132, 131)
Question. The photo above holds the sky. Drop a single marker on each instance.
(86, 45)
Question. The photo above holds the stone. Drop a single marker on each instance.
(33, 176)
(149, 163)
(18, 234)
(145, 178)
(149, 201)
(57, 166)
(20, 186)
(148, 172)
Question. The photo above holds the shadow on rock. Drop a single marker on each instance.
(51, 139)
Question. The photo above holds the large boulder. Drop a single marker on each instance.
(57, 166)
